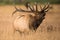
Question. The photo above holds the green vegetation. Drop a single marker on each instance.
(2, 2)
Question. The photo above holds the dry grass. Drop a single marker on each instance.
(48, 30)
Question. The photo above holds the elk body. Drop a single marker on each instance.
(27, 22)
(21, 24)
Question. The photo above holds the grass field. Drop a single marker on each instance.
(48, 30)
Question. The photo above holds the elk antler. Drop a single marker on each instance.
(40, 7)
(17, 10)
(36, 6)
(45, 8)
(21, 10)
(27, 5)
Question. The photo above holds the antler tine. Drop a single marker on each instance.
(36, 7)
(30, 7)
(27, 5)
(44, 7)
(40, 7)
(33, 7)
(47, 10)
(47, 6)
(19, 10)
(15, 11)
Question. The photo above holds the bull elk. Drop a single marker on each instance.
(27, 22)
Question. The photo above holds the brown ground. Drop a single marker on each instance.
(48, 30)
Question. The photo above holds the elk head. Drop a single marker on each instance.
(36, 20)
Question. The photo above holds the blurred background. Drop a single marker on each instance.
(23, 1)
(48, 30)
